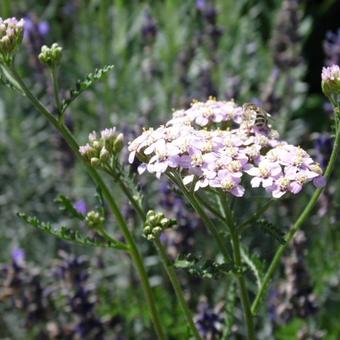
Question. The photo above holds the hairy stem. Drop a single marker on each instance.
(128, 194)
(136, 257)
(177, 288)
(235, 240)
(297, 225)
(56, 90)
(200, 211)
(166, 262)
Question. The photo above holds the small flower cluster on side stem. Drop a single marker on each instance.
(101, 150)
(155, 223)
(11, 35)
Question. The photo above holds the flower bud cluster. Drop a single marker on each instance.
(216, 143)
(330, 80)
(101, 149)
(155, 223)
(94, 219)
(11, 35)
(51, 56)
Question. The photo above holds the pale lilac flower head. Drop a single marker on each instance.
(330, 80)
(11, 35)
(330, 73)
(101, 148)
(214, 144)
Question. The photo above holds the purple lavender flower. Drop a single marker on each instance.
(323, 144)
(18, 257)
(81, 207)
(149, 28)
(209, 321)
(332, 48)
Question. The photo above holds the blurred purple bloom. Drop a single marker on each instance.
(44, 28)
(18, 257)
(81, 207)
(201, 5)
(323, 145)
(149, 27)
(35, 29)
(331, 48)
(209, 321)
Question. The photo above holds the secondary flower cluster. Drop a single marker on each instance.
(11, 34)
(330, 79)
(215, 143)
(101, 149)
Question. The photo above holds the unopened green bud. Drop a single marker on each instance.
(151, 237)
(147, 230)
(165, 222)
(149, 214)
(118, 143)
(97, 145)
(51, 56)
(93, 219)
(156, 230)
(152, 219)
(95, 161)
(104, 154)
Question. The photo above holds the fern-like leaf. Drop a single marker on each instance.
(254, 264)
(67, 206)
(230, 310)
(130, 182)
(204, 268)
(271, 230)
(70, 235)
(85, 84)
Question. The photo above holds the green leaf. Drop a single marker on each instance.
(67, 206)
(70, 235)
(255, 265)
(271, 230)
(229, 310)
(7, 80)
(130, 181)
(204, 268)
(85, 84)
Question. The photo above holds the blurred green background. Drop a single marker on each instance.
(165, 54)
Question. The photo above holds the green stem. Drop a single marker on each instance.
(6, 8)
(209, 207)
(200, 211)
(56, 90)
(106, 193)
(166, 262)
(128, 194)
(235, 240)
(297, 225)
(177, 288)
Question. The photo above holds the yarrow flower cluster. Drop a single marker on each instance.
(101, 149)
(11, 35)
(330, 80)
(215, 143)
